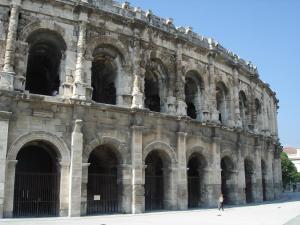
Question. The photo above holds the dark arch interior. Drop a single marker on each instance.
(190, 94)
(249, 182)
(36, 192)
(196, 164)
(103, 190)
(152, 98)
(45, 54)
(154, 182)
(221, 93)
(264, 179)
(104, 73)
(226, 174)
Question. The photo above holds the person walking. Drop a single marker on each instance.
(221, 202)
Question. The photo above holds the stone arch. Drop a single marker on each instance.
(249, 168)
(45, 57)
(43, 25)
(194, 94)
(244, 108)
(110, 62)
(156, 85)
(109, 41)
(162, 146)
(230, 154)
(59, 145)
(223, 99)
(199, 150)
(119, 148)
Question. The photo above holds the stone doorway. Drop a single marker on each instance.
(154, 182)
(196, 165)
(36, 191)
(248, 164)
(227, 176)
(264, 180)
(103, 189)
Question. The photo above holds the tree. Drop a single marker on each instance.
(289, 171)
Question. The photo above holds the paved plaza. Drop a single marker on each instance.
(285, 211)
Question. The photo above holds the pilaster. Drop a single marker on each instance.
(258, 178)
(4, 123)
(237, 113)
(138, 74)
(81, 90)
(76, 170)
(138, 200)
(182, 186)
(64, 168)
(9, 188)
(214, 114)
(241, 177)
(180, 84)
(7, 78)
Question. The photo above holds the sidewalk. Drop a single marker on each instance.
(273, 213)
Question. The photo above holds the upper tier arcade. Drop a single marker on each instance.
(102, 51)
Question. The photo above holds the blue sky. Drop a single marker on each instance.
(266, 32)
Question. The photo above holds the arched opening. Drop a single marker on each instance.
(156, 181)
(152, 97)
(193, 95)
(264, 179)
(249, 169)
(221, 98)
(155, 86)
(36, 191)
(43, 68)
(243, 105)
(105, 71)
(103, 189)
(227, 185)
(257, 118)
(196, 165)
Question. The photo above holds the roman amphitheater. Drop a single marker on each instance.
(106, 108)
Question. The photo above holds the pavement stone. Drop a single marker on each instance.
(285, 211)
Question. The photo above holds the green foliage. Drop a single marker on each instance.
(289, 171)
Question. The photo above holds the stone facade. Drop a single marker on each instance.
(171, 97)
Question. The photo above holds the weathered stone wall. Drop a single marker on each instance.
(138, 42)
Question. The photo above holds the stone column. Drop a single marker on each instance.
(180, 84)
(76, 170)
(269, 175)
(85, 177)
(236, 100)
(214, 114)
(214, 180)
(182, 186)
(4, 123)
(64, 168)
(170, 187)
(277, 173)
(138, 73)
(8, 73)
(266, 121)
(81, 90)
(257, 186)
(138, 192)
(9, 188)
(124, 181)
(241, 177)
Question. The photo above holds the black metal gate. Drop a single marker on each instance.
(36, 195)
(154, 192)
(194, 191)
(102, 194)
